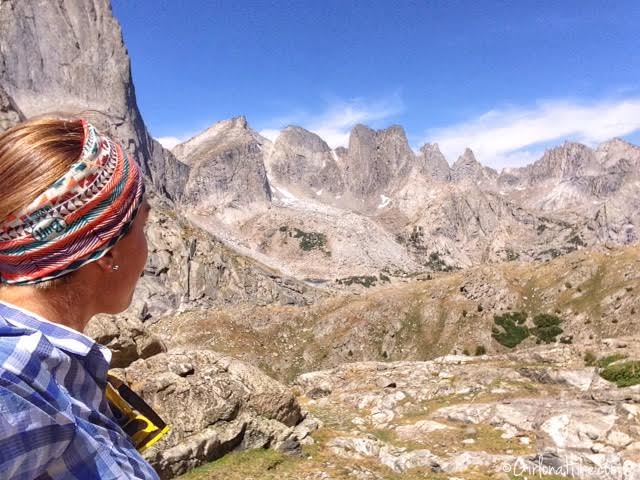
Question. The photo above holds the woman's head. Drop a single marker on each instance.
(72, 212)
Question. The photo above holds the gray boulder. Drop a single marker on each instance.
(213, 404)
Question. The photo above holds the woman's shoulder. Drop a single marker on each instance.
(29, 366)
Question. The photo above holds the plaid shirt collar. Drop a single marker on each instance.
(95, 357)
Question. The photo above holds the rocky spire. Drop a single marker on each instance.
(377, 160)
(468, 168)
(433, 164)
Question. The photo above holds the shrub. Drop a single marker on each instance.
(481, 350)
(310, 240)
(364, 280)
(511, 255)
(512, 331)
(623, 374)
(547, 327)
(436, 263)
(577, 240)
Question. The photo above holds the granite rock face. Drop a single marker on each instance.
(231, 405)
(476, 417)
(304, 159)
(227, 167)
(377, 160)
(9, 112)
(127, 338)
(88, 70)
(567, 161)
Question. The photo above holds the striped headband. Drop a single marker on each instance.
(77, 219)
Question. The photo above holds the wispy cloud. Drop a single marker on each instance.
(335, 122)
(515, 136)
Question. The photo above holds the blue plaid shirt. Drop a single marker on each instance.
(55, 422)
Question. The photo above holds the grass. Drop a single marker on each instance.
(623, 374)
(590, 358)
(259, 463)
(604, 362)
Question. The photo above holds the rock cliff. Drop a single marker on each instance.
(69, 56)
(303, 159)
(226, 168)
(9, 112)
(377, 161)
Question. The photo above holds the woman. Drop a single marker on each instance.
(72, 244)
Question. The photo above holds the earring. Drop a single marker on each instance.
(115, 268)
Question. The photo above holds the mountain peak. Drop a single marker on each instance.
(467, 158)
(433, 163)
(302, 138)
(615, 150)
(432, 148)
(565, 161)
(468, 167)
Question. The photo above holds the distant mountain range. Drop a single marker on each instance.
(377, 207)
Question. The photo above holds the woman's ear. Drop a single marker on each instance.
(108, 261)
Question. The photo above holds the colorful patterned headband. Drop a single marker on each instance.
(77, 219)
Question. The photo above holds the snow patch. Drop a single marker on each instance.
(286, 196)
(384, 201)
(334, 155)
(319, 192)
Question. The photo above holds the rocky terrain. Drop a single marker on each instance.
(367, 312)
(593, 295)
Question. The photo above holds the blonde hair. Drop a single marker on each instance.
(33, 155)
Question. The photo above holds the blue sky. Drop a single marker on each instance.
(507, 78)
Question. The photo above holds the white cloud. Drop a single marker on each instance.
(334, 124)
(513, 136)
(169, 142)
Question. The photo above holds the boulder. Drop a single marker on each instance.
(213, 404)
